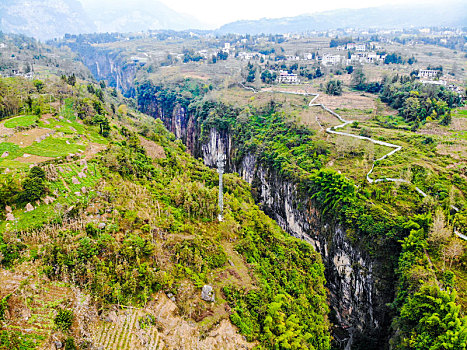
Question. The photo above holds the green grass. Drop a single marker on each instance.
(13, 150)
(67, 110)
(10, 339)
(24, 121)
(64, 126)
(461, 113)
(53, 147)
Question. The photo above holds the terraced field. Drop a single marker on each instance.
(74, 183)
(125, 333)
(32, 306)
(27, 139)
(123, 330)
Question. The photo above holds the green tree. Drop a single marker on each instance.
(411, 108)
(71, 80)
(33, 186)
(282, 332)
(432, 320)
(104, 125)
(251, 73)
(39, 85)
(358, 78)
(334, 87)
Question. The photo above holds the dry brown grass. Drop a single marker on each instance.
(92, 149)
(32, 159)
(153, 150)
(308, 117)
(27, 138)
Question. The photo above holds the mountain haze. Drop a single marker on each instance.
(44, 19)
(452, 14)
(137, 15)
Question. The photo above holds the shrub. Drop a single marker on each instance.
(70, 344)
(64, 320)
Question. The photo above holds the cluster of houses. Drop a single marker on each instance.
(359, 57)
(352, 46)
(431, 77)
(16, 73)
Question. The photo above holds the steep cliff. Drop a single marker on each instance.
(118, 71)
(358, 296)
(359, 284)
(105, 64)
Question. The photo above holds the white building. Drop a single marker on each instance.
(226, 48)
(356, 47)
(287, 78)
(428, 73)
(331, 60)
(433, 82)
(292, 58)
(456, 89)
(247, 56)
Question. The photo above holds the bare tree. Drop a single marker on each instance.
(440, 232)
(453, 251)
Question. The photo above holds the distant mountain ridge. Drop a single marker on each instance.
(47, 19)
(137, 15)
(44, 19)
(451, 14)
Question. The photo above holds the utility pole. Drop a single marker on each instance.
(220, 170)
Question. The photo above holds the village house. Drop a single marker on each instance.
(226, 48)
(287, 78)
(457, 89)
(360, 48)
(292, 58)
(247, 56)
(428, 73)
(356, 47)
(331, 60)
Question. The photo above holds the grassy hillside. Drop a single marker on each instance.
(124, 217)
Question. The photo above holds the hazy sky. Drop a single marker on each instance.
(214, 13)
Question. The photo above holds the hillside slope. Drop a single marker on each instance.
(110, 213)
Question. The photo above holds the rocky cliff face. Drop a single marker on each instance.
(115, 69)
(357, 289)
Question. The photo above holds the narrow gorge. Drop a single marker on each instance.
(360, 285)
